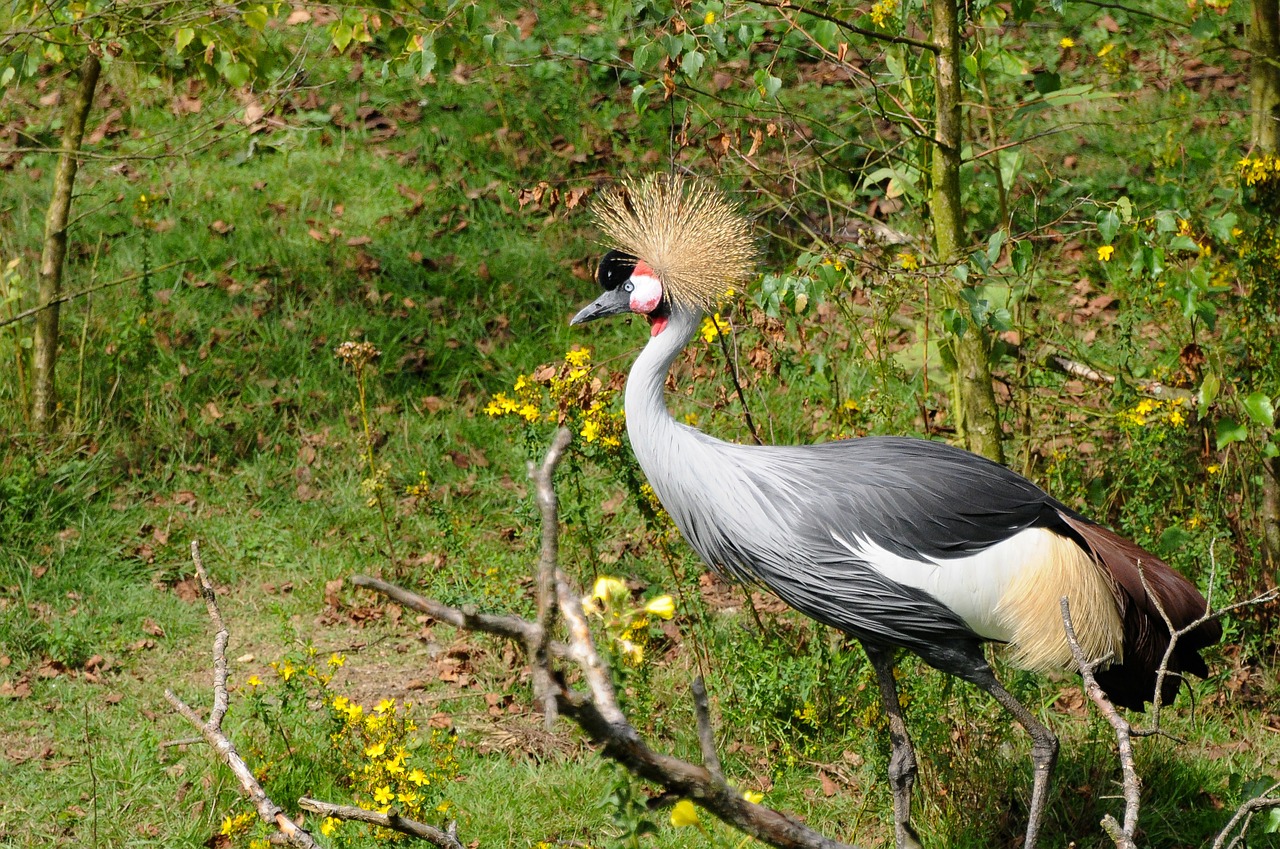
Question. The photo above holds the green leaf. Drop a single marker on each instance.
(1208, 392)
(1022, 257)
(340, 34)
(1183, 243)
(692, 63)
(7, 75)
(182, 37)
(255, 18)
(1108, 225)
(1229, 432)
(1204, 27)
(637, 97)
(1124, 207)
(1259, 408)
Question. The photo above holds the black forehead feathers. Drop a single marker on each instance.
(615, 269)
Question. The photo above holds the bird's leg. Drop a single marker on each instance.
(902, 757)
(1044, 749)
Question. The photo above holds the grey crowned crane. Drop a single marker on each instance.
(900, 543)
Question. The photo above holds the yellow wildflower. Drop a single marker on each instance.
(1213, 468)
(607, 587)
(329, 826)
(590, 430)
(286, 671)
(753, 797)
(376, 750)
(709, 18)
(1106, 48)
(1176, 418)
(908, 261)
(254, 681)
(385, 705)
(684, 814)
(419, 777)
(578, 358)
(1105, 253)
(383, 795)
(1067, 43)
(881, 11)
(664, 607)
(710, 327)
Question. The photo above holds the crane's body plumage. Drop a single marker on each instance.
(901, 543)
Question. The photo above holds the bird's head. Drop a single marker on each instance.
(676, 244)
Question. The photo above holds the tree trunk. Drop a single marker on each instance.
(973, 398)
(1264, 94)
(54, 253)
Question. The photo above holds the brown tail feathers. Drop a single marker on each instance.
(1132, 683)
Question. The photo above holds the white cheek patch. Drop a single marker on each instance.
(646, 294)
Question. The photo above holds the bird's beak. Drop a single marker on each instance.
(612, 302)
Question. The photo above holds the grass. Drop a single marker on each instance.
(212, 408)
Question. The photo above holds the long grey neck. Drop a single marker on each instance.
(649, 422)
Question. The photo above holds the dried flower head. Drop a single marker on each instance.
(357, 354)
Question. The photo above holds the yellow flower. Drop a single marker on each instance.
(710, 327)
(1067, 43)
(1213, 469)
(419, 777)
(376, 750)
(578, 358)
(684, 814)
(1105, 252)
(336, 660)
(383, 795)
(286, 671)
(1106, 48)
(663, 607)
(607, 587)
(385, 705)
(590, 430)
(254, 681)
(1176, 418)
(709, 18)
(329, 826)
(881, 11)
(409, 798)
(908, 261)
(753, 797)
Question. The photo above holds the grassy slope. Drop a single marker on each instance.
(211, 434)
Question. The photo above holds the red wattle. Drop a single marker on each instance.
(657, 325)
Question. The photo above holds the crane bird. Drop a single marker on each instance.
(898, 542)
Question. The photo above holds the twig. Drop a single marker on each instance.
(1245, 812)
(737, 385)
(70, 296)
(269, 811)
(446, 839)
(540, 648)
(848, 27)
(1122, 836)
(706, 734)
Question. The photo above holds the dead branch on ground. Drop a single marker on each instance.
(289, 832)
(211, 730)
(596, 709)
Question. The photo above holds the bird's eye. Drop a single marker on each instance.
(628, 286)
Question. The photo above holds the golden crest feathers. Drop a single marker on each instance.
(697, 241)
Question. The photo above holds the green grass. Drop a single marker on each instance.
(212, 408)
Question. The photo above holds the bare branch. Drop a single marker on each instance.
(435, 836)
(706, 734)
(1240, 820)
(539, 649)
(848, 27)
(70, 296)
(596, 710)
(1131, 783)
(212, 732)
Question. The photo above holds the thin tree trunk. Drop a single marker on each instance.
(973, 398)
(45, 354)
(1264, 75)
(1264, 93)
